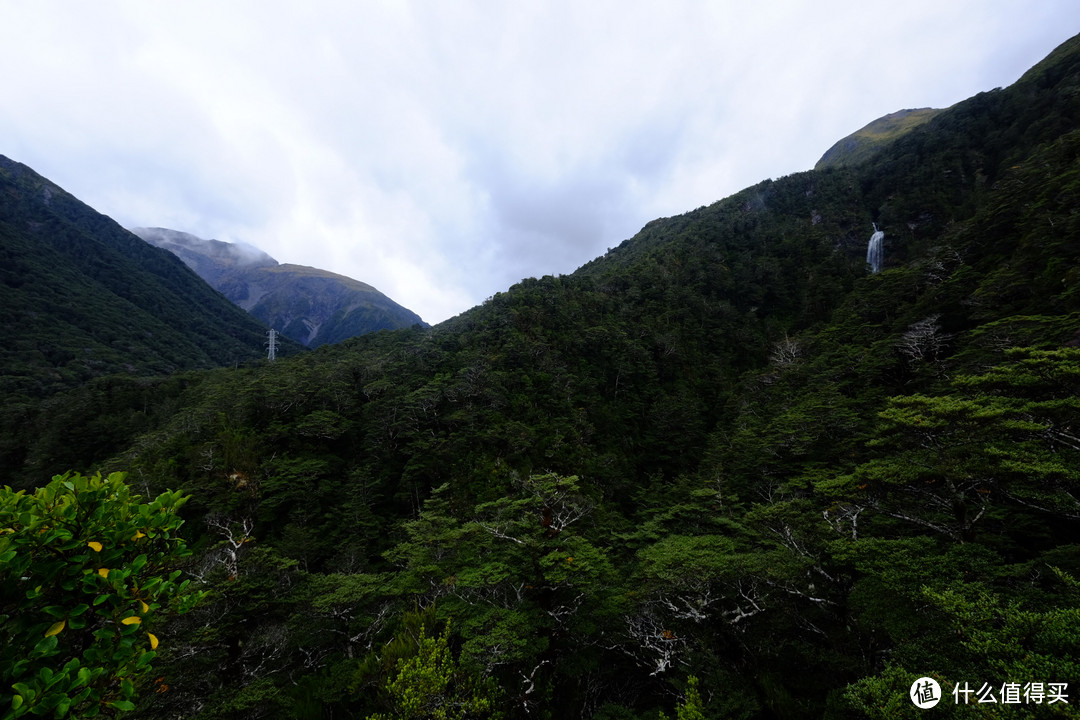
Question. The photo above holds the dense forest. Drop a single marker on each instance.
(723, 471)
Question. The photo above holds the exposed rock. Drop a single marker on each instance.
(309, 305)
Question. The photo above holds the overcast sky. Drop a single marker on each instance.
(443, 150)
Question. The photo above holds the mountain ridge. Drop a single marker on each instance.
(309, 305)
(868, 140)
(83, 297)
(726, 455)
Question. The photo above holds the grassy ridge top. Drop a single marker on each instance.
(869, 140)
(306, 271)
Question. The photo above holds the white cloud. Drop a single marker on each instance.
(443, 151)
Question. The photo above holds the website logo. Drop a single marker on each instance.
(925, 693)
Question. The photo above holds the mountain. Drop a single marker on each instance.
(81, 297)
(724, 465)
(867, 141)
(91, 309)
(310, 306)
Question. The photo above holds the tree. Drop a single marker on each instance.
(524, 585)
(86, 573)
(430, 685)
(1003, 440)
(692, 707)
(1016, 649)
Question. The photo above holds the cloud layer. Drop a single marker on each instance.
(442, 151)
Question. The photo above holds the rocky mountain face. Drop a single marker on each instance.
(311, 306)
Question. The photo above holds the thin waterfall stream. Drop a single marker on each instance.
(875, 251)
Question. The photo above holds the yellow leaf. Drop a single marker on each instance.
(56, 628)
(153, 641)
(95, 545)
(133, 620)
(145, 607)
(137, 535)
(103, 572)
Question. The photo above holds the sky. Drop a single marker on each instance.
(441, 151)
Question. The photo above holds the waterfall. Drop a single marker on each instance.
(875, 251)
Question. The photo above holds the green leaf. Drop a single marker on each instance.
(46, 646)
(82, 678)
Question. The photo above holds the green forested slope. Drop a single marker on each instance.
(724, 450)
(82, 299)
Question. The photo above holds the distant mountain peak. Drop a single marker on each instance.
(226, 253)
(309, 305)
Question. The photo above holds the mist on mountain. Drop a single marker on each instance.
(308, 305)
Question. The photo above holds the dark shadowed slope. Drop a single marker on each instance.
(81, 297)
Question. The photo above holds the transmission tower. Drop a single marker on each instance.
(271, 345)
